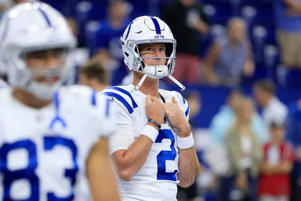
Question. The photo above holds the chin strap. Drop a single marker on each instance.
(177, 82)
(140, 82)
(170, 77)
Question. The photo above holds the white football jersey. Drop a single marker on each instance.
(157, 178)
(43, 151)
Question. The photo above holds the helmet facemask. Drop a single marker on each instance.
(149, 30)
(41, 81)
(157, 70)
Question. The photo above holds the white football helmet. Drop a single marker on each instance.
(143, 30)
(27, 28)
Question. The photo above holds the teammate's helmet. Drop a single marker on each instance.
(32, 27)
(144, 30)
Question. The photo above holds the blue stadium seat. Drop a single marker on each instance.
(65, 7)
(86, 11)
(271, 60)
(91, 30)
(140, 7)
(257, 3)
(218, 14)
(249, 14)
(258, 39)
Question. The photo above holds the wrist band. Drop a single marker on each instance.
(155, 123)
(185, 142)
(150, 132)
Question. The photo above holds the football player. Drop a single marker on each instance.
(153, 147)
(51, 140)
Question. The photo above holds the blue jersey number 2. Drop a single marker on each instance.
(29, 173)
(163, 156)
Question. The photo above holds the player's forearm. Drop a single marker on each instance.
(102, 181)
(188, 167)
(104, 186)
(131, 160)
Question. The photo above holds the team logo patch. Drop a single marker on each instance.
(158, 36)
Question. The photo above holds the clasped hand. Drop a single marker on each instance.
(156, 110)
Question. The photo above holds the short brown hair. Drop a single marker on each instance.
(266, 85)
(95, 69)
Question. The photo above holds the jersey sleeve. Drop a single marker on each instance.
(90, 105)
(123, 97)
(123, 136)
(124, 105)
(183, 103)
(106, 114)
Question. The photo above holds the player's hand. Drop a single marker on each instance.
(154, 109)
(176, 118)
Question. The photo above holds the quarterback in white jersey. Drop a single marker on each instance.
(153, 147)
(53, 141)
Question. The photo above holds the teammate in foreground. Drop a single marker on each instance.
(153, 147)
(49, 139)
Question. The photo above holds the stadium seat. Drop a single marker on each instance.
(91, 30)
(86, 11)
(218, 14)
(258, 38)
(249, 14)
(271, 59)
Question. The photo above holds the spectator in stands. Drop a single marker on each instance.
(294, 137)
(223, 120)
(108, 45)
(230, 57)
(274, 178)
(244, 152)
(273, 110)
(288, 24)
(219, 126)
(187, 21)
(94, 75)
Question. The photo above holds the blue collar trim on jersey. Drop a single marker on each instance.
(57, 117)
(126, 93)
(120, 99)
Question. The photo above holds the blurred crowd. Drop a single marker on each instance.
(252, 148)
(220, 42)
